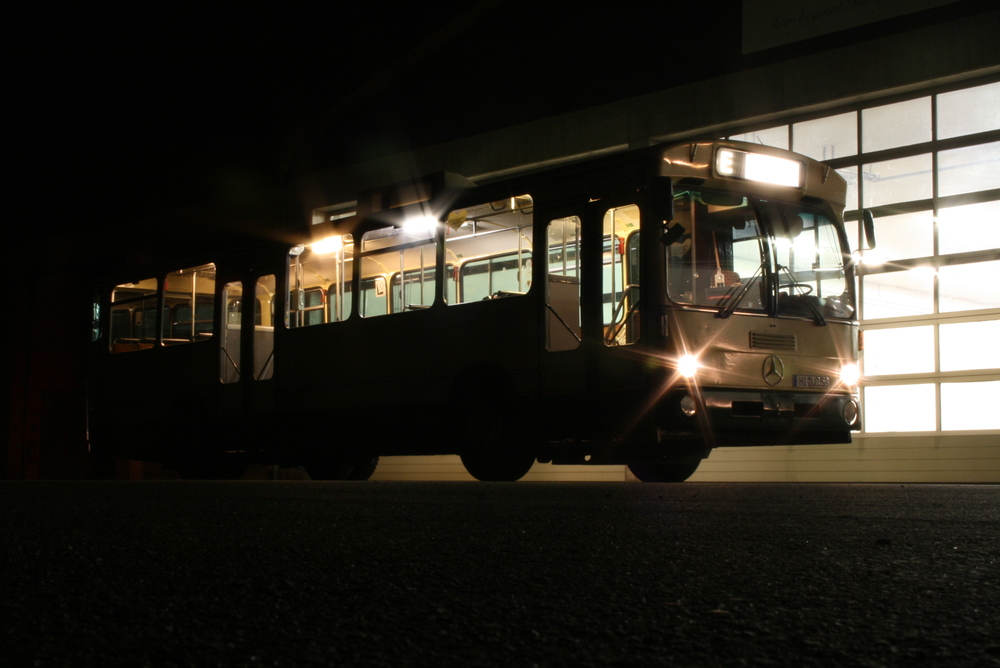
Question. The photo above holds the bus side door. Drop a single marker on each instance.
(251, 312)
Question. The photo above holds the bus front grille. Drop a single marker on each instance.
(773, 341)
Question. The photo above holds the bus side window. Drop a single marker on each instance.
(313, 306)
(319, 282)
(416, 290)
(492, 241)
(387, 253)
(562, 295)
(133, 316)
(374, 297)
(188, 305)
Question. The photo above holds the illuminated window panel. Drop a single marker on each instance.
(853, 230)
(962, 349)
(970, 169)
(900, 408)
(898, 294)
(850, 175)
(901, 180)
(899, 124)
(970, 405)
(899, 350)
(969, 228)
(827, 138)
(906, 235)
(969, 287)
(777, 137)
(964, 112)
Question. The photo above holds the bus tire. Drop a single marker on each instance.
(495, 465)
(664, 472)
(364, 468)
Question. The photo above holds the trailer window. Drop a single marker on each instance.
(133, 316)
(188, 305)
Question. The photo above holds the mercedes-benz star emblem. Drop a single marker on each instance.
(774, 370)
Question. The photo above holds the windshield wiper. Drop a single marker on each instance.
(732, 299)
(817, 316)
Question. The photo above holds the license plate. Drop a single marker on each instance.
(814, 382)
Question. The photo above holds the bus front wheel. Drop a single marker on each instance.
(496, 465)
(663, 472)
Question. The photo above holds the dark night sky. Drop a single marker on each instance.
(142, 108)
(134, 109)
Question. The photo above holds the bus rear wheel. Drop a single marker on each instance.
(363, 468)
(663, 472)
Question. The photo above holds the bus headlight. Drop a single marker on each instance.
(851, 412)
(850, 374)
(688, 406)
(687, 366)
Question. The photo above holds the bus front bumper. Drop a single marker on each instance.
(750, 417)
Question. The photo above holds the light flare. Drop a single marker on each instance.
(328, 245)
(420, 225)
(850, 374)
(687, 366)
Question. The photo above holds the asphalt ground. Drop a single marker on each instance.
(272, 573)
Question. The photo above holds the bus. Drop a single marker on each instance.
(639, 309)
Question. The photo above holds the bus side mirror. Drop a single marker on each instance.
(868, 223)
(672, 235)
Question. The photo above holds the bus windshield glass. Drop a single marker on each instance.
(736, 252)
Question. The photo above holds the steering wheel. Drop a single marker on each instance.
(805, 287)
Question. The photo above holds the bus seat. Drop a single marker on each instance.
(730, 278)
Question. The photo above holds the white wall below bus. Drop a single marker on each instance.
(449, 467)
(935, 458)
(897, 458)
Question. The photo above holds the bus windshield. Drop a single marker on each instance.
(733, 251)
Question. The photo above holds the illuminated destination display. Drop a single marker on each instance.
(759, 167)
